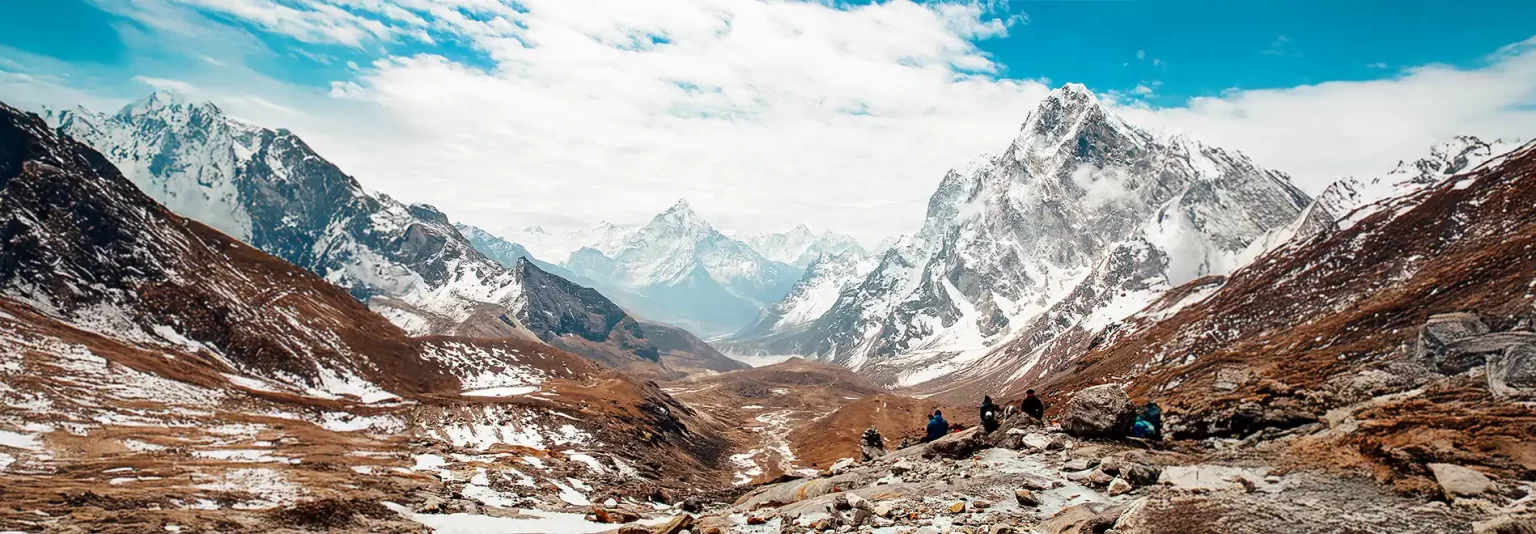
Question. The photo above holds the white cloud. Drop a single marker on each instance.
(163, 83)
(1319, 133)
(763, 114)
(1141, 54)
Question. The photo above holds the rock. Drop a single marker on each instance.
(1508, 524)
(1000, 528)
(603, 515)
(1139, 474)
(1455, 342)
(1036, 441)
(1230, 378)
(1439, 331)
(1513, 372)
(1111, 465)
(902, 467)
(1058, 442)
(859, 517)
(884, 510)
(632, 529)
(1100, 479)
(956, 446)
(841, 466)
(1026, 498)
(840, 502)
(1476, 506)
(1099, 411)
(1119, 486)
(756, 520)
(859, 502)
(980, 505)
(1078, 464)
(1206, 477)
(676, 526)
(1086, 518)
(610, 502)
(927, 530)
(1457, 481)
(868, 453)
(691, 505)
(956, 508)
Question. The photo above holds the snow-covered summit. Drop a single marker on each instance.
(1080, 221)
(268, 188)
(800, 246)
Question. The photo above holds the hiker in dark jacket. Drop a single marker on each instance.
(989, 414)
(937, 427)
(1032, 405)
(1149, 424)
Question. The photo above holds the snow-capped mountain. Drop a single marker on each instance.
(407, 262)
(800, 246)
(679, 269)
(1082, 220)
(557, 246)
(825, 278)
(1351, 199)
(679, 349)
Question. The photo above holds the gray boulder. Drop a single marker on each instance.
(1457, 481)
(1440, 331)
(1513, 372)
(1099, 411)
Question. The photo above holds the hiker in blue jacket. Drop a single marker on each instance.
(1149, 424)
(937, 426)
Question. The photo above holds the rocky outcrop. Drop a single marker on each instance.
(1457, 342)
(1099, 411)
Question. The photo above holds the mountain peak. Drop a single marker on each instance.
(681, 206)
(157, 101)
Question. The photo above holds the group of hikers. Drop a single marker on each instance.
(1148, 425)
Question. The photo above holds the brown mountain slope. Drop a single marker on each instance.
(131, 337)
(1334, 322)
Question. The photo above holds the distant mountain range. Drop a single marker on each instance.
(677, 268)
(407, 262)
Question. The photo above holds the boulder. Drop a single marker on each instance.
(1099, 411)
(676, 525)
(1086, 518)
(1139, 474)
(956, 446)
(1440, 331)
(1454, 343)
(841, 466)
(1026, 498)
(1078, 464)
(1513, 372)
(1457, 481)
(1119, 486)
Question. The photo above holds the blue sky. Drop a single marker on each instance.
(724, 101)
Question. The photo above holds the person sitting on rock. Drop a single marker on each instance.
(1149, 424)
(1032, 405)
(989, 414)
(937, 427)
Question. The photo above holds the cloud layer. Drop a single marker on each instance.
(763, 114)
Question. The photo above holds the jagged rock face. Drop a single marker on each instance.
(1081, 204)
(800, 246)
(269, 189)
